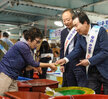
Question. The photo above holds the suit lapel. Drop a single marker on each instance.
(84, 43)
(67, 32)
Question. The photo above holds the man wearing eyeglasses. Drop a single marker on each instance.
(72, 75)
(93, 41)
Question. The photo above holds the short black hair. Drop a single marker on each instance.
(24, 31)
(35, 29)
(70, 10)
(30, 34)
(81, 16)
(5, 34)
(45, 47)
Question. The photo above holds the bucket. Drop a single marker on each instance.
(23, 86)
(26, 95)
(90, 96)
(39, 85)
(63, 91)
(3, 97)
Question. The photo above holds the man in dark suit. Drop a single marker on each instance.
(93, 42)
(72, 75)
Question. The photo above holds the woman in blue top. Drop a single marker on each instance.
(17, 58)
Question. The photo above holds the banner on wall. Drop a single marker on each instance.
(54, 34)
(104, 24)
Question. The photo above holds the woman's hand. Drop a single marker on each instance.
(53, 67)
(36, 69)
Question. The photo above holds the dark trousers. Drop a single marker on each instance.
(95, 81)
(69, 79)
(75, 77)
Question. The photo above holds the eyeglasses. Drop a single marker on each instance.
(37, 41)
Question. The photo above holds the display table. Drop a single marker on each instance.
(26, 95)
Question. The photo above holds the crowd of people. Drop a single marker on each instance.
(83, 55)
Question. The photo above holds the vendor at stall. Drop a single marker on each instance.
(17, 58)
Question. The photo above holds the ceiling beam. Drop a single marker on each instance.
(34, 4)
(19, 14)
(41, 5)
(92, 4)
(11, 22)
(31, 14)
(3, 2)
(48, 7)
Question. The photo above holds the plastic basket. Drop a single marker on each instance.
(23, 78)
(3, 97)
(23, 86)
(91, 96)
(39, 85)
(75, 90)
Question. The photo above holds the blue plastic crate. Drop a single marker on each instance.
(23, 78)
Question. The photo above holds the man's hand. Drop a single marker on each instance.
(84, 62)
(53, 67)
(62, 69)
(61, 61)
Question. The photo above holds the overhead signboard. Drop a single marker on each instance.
(54, 34)
(104, 24)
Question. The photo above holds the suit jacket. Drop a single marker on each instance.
(100, 54)
(69, 66)
(64, 34)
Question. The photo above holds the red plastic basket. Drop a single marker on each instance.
(23, 86)
(2, 97)
(91, 96)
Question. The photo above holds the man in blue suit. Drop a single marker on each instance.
(95, 49)
(72, 75)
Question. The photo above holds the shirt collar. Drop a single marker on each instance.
(68, 30)
(23, 40)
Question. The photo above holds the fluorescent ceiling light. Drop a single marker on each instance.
(58, 23)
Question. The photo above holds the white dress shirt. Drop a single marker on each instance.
(86, 36)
